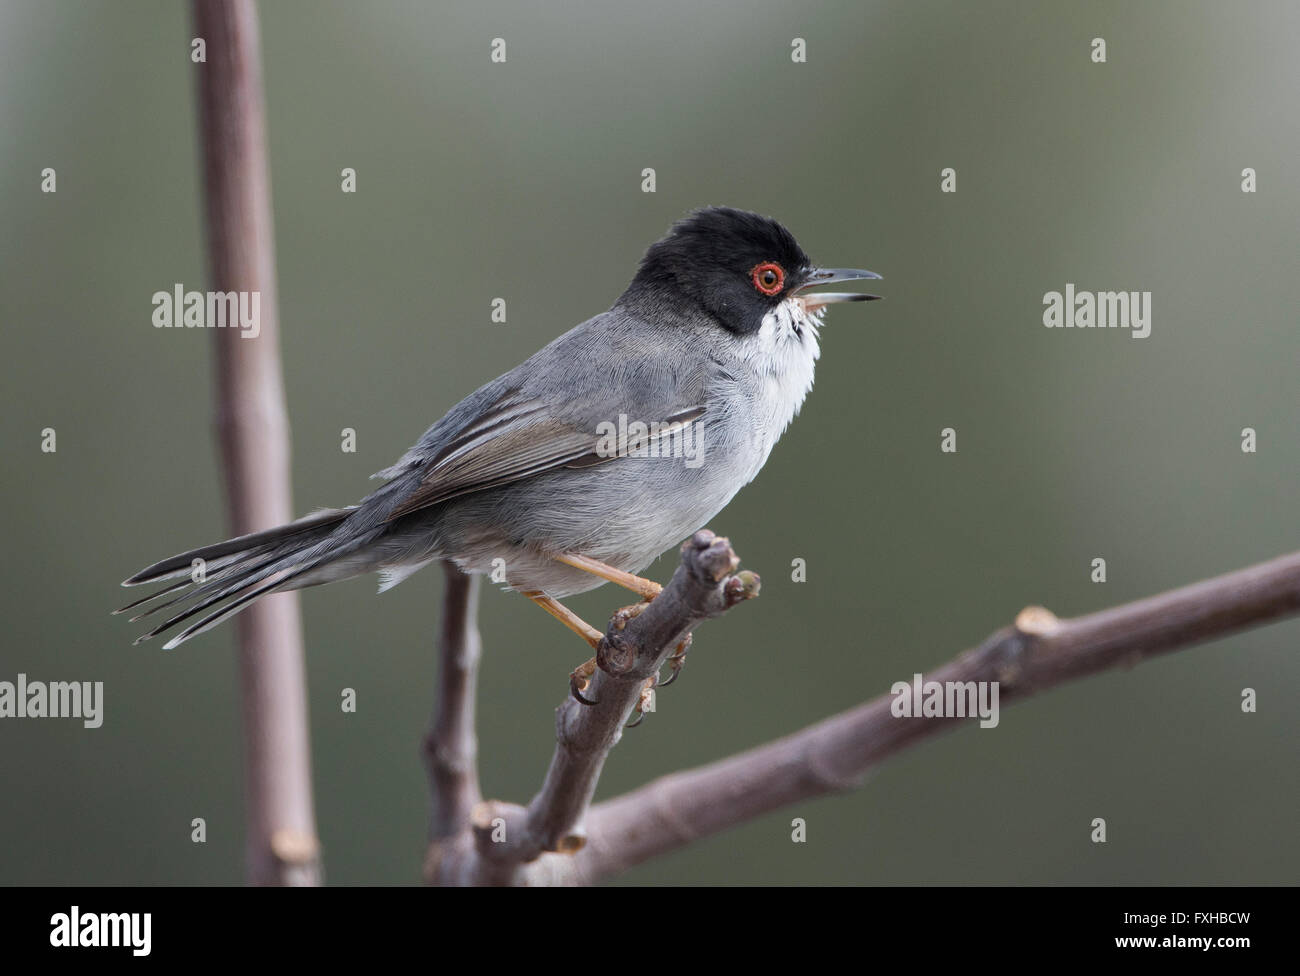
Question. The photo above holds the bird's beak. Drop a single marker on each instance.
(829, 276)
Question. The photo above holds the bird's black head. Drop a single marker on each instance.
(734, 264)
(736, 267)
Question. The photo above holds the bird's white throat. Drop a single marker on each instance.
(783, 353)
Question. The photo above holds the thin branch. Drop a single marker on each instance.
(281, 844)
(503, 836)
(1038, 652)
(450, 748)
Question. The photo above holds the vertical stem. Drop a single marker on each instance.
(451, 746)
(281, 845)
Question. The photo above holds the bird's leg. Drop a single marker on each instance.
(581, 675)
(566, 616)
(646, 589)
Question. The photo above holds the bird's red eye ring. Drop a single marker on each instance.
(768, 277)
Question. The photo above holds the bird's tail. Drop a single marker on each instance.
(239, 571)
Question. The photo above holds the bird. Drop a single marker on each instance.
(582, 464)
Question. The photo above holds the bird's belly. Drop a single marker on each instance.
(624, 513)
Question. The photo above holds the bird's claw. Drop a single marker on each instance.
(677, 661)
(646, 701)
(580, 679)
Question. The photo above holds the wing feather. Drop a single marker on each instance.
(511, 440)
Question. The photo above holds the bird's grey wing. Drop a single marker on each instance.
(516, 437)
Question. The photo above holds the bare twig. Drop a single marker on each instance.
(450, 748)
(1036, 653)
(281, 845)
(503, 836)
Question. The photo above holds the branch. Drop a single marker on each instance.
(1036, 653)
(503, 837)
(450, 748)
(281, 844)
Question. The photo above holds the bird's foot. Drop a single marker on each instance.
(623, 615)
(580, 680)
(645, 703)
(677, 661)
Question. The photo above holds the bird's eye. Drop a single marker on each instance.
(768, 277)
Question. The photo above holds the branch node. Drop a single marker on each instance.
(572, 843)
(616, 655)
(818, 763)
(1037, 622)
(294, 846)
(498, 828)
(743, 586)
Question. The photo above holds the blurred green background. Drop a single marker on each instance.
(522, 180)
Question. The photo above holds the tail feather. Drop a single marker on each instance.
(243, 569)
(229, 610)
(248, 593)
(221, 552)
(179, 584)
(213, 590)
(230, 568)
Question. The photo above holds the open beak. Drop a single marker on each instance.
(829, 276)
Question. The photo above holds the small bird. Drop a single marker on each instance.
(582, 464)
